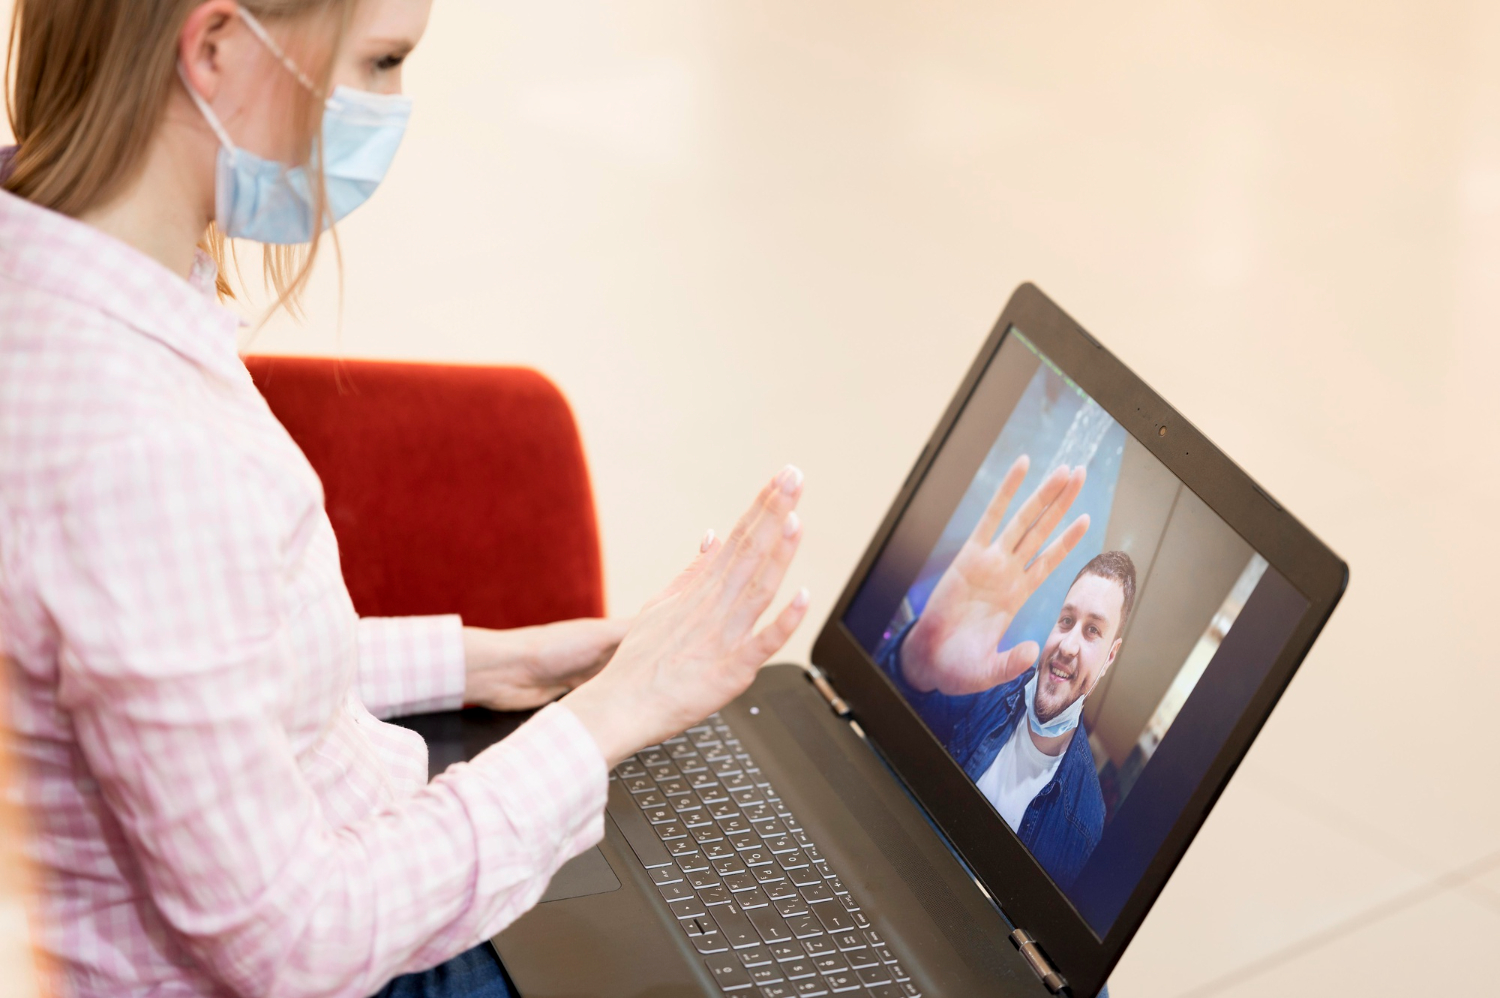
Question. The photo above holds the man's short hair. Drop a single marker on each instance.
(1117, 567)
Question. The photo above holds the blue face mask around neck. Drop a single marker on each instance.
(270, 202)
(1059, 725)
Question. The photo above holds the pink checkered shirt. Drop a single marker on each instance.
(214, 807)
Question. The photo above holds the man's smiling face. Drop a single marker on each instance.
(1082, 645)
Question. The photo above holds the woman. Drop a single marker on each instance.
(216, 809)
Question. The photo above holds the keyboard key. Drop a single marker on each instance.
(629, 768)
(654, 758)
(779, 890)
(687, 908)
(739, 882)
(828, 963)
(845, 981)
(864, 959)
(849, 903)
(725, 767)
(711, 942)
(820, 946)
(793, 860)
(736, 825)
(811, 852)
(779, 843)
(692, 765)
(747, 797)
(813, 893)
(804, 926)
(738, 782)
(874, 937)
(860, 919)
(666, 875)
(718, 850)
(752, 899)
(796, 969)
(695, 819)
(791, 906)
(883, 953)
(779, 989)
(758, 856)
(707, 832)
(681, 847)
(737, 928)
(685, 803)
(772, 827)
(692, 862)
(885, 991)
(675, 892)
(671, 830)
(770, 926)
(659, 815)
(651, 798)
(768, 974)
(898, 972)
(728, 972)
(744, 840)
(732, 864)
(639, 784)
(803, 839)
(682, 750)
(870, 976)
(759, 812)
(714, 895)
(754, 956)
(909, 990)
(770, 874)
(837, 885)
(789, 950)
(834, 918)
(848, 940)
(703, 880)
(724, 809)
(701, 780)
(673, 788)
(804, 877)
(814, 988)
(660, 773)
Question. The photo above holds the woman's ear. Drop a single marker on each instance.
(200, 45)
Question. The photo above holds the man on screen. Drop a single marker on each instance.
(1013, 719)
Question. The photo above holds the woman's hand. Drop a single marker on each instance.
(694, 648)
(525, 667)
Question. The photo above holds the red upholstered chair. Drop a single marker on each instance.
(452, 489)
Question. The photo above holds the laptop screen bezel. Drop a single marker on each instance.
(1027, 896)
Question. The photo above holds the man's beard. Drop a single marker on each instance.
(1046, 711)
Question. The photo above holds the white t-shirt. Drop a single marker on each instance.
(1018, 774)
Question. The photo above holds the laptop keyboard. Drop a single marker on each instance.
(749, 888)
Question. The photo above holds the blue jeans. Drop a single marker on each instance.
(474, 973)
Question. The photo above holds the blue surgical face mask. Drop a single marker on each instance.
(271, 202)
(1059, 725)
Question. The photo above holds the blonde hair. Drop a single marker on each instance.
(88, 86)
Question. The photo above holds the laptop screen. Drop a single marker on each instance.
(1074, 625)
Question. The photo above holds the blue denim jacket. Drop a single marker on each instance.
(1063, 822)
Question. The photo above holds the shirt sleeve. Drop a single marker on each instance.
(411, 665)
(166, 578)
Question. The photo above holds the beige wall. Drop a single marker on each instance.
(744, 233)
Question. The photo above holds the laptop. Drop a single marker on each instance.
(1029, 695)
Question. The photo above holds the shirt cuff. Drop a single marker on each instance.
(411, 665)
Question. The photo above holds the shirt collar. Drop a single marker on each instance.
(49, 251)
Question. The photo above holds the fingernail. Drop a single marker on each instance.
(791, 526)
(802, 598)
(708, 541)
(791, 478)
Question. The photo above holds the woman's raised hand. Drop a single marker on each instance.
(695, 647)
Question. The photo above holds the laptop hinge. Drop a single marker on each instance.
(1033, 953)
(820, 682)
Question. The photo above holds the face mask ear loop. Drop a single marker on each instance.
(259, 30)
(204, 109)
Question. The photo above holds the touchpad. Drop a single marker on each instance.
(586, 873)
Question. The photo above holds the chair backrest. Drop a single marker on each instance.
(452, 489)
